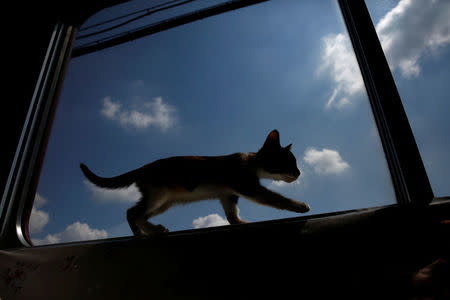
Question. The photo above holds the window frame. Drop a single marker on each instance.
(17, 200)
(409, 178)
(408, 174)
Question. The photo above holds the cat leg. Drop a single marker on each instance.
(151, 204)
(135, 215)
(150, 228)
(265, 196)
(229, 204)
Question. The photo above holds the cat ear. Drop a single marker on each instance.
(272, 140)
(288, 147)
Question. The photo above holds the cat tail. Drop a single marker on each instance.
(120, 181)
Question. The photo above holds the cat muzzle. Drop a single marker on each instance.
(289, 178)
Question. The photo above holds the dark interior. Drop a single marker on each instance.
(364, 254)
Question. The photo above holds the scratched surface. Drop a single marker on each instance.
(76, 272)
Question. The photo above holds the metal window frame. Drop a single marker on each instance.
(25, 169)
(408, 174)
(406, 168)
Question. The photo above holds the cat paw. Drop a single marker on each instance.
(150, 230)
(301, 207)
(160, 229)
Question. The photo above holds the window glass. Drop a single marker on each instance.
(415, 36)
(212, 87)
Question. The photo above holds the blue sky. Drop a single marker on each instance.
(218, 86)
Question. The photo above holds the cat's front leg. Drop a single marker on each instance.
(229, 204)
(265, 196)
(299, 207)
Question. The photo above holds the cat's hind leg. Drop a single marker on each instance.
(135, 215)
(229, 204)
(151, 204)
(150, 228)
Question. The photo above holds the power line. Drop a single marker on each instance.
(140, 32)
(149, 12)
(126, 15)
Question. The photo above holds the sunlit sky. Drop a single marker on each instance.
(218, 86)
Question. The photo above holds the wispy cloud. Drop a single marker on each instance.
(325, 161)
(38, 218)
(209, 221)
(154, 113)
(126, 195)
(283, 184)
(339, 62)
(74, 232)
(408, 32)
(39, 201)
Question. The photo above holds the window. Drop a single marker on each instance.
(211, 87)
(414, 36)
(144, 98)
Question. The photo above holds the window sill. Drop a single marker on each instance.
(344, 253)
(296, 227)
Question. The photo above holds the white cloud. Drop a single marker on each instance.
(412, 29)
(283, 184)
(39, 201)
(126, 195)
(49, 239)
(152, 113)
(38, 218)
(74, 232)
(407, 33)
(325, 161)
(209, 221)
(339, 62)
(110, 109)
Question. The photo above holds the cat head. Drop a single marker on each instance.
(276, 162)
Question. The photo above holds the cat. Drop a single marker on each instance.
(184, 179)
